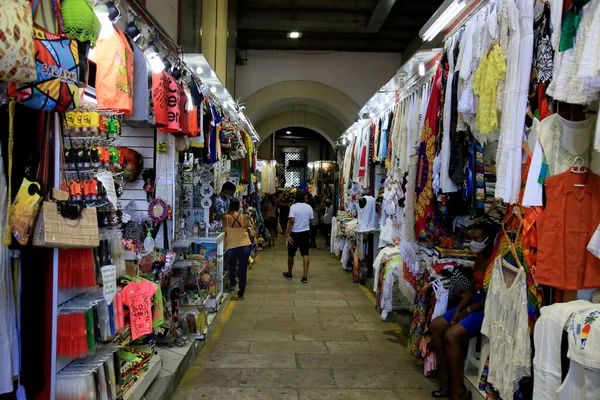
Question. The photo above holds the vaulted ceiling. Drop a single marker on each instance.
(332, 25)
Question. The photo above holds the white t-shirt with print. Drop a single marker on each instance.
(302, 214)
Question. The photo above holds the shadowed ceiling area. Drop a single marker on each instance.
(332, 25)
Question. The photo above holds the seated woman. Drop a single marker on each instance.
(238, 245)
(450, 332)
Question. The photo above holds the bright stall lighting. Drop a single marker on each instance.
(288, 132)
(444, 19)
(156, 63)
(106, 26)
(294, 35)
(213, 89)
(421, 68)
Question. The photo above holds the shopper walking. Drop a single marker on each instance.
(327, 217)
(314, 225)
(224, 198)
(238, 245)
(283, 203)
(269, 211)
(298, 234)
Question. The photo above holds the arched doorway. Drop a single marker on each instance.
(294, 148)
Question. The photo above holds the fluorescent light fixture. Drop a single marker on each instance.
(421, 68)
(294, 35)
(288, 132)
(213, 89)
(442, 18)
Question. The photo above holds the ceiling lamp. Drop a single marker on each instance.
(288, 132)
(133, 31)
(294, 35)
(153, 57)
(442, 18)
(421, 68)
(213, 89)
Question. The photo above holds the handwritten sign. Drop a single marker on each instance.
(108, 182)
(140, 313)
(109, 282)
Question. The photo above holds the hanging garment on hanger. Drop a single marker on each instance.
(509, 155)
(505, 325)
(446, 184)
(583, 380)
(366, 215)
(424, 196)
(565, 227)
(547, 338)
(559, 142)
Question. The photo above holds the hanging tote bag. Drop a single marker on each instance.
(57, 65)
(23, 213)
(17, 53)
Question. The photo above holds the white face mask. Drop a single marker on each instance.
(478, 247)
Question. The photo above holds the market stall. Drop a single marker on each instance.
(115, 151)
(462, 175)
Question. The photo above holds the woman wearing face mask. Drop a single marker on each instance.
(450, 332)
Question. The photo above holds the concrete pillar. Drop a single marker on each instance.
(214, 35)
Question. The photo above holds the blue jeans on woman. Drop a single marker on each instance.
(239, 256)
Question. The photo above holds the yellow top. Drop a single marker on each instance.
(236, 230)
(491, 71)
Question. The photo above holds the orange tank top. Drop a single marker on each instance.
(564, 229)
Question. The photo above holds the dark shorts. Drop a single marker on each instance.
(301, 241)
(326, 229)
(472, 322)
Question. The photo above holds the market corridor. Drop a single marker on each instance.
(288, 340)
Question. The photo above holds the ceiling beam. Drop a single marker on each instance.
(380, 14)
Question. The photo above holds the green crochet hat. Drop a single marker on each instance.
(80, 21)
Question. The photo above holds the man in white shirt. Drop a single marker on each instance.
(298, 234)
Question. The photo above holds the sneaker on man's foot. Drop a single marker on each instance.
(304, 280)
(287, 275)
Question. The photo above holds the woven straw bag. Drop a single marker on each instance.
(54, 230)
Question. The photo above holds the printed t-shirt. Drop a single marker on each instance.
(193, 122)
(302, 214)
(138, 297)
(166, 95)
(114, 73)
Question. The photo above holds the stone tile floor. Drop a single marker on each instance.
(292, 341)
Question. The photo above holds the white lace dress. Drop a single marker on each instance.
(506, 326)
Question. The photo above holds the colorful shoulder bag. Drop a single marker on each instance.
(57, 67)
